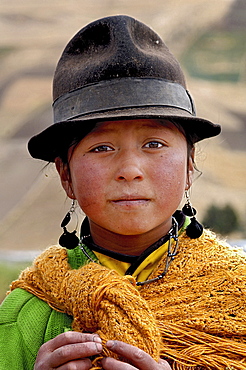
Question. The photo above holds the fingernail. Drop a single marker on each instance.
(98, 347)
(110, 343)
(97, 339)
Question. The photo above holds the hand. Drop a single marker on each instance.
(70, 350)
(139, 359)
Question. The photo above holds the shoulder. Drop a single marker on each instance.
(26, 315)
(210, 253)
(27, 310)
(21, 303)
(209, 242)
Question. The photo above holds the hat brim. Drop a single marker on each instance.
(52, 141)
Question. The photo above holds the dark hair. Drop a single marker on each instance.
(190, 138)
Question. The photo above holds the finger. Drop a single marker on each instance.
(71, 337)
(137, 357)
(84, 364)
(109, 363)
(67, 347)
(74, 351)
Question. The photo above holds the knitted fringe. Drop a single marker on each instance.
(195, 317)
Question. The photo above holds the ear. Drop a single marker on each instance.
(190, 169)
(65, 177)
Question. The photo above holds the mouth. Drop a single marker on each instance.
(129, 200)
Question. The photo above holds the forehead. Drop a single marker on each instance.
(107, 130)
(135, 124)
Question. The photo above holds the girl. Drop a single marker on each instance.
(143, 286)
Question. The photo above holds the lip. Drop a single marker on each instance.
(131, 200)
(133, 197)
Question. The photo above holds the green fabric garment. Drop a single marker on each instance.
(26, 323)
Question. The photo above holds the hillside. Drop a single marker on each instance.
(33, 37)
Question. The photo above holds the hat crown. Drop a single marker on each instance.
(116, 68)
(110, 48)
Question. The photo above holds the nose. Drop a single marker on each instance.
(129, 168)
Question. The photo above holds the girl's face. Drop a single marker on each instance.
(129, 178)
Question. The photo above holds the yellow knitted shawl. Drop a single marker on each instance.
(195, 316)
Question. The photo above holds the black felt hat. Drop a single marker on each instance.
(116, 68)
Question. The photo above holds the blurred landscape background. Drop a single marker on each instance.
(209, 39)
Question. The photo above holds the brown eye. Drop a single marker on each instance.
(102, 148)
(153, 145)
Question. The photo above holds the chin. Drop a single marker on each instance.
(133, 231)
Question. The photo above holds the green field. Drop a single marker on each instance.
(9, 271)
(217, 56)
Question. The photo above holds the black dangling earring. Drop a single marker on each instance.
(68, 240)
(194, 230)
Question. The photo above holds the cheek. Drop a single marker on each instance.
(86, 177)
(172, 175)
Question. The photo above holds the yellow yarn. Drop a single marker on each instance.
(100, 300)
(195, 316)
